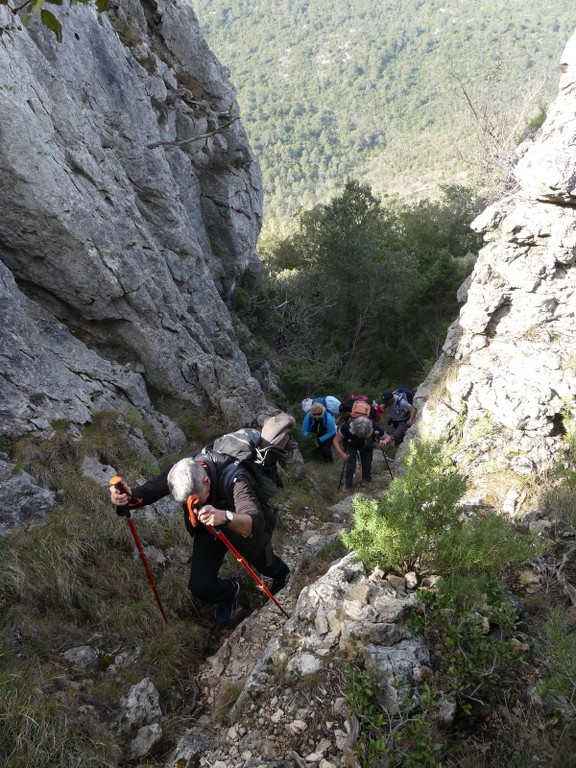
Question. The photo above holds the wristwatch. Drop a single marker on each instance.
(229, 518)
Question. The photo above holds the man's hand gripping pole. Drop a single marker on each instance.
(120, 485)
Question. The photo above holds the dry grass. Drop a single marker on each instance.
(77, 580)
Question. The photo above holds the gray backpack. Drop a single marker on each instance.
(260, 452)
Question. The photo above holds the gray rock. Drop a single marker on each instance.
(191, 746)
(83, 657)
(504, 376)
(396, 667)
(145, 739)
(22, 500)
(135, 205)
(140, 707)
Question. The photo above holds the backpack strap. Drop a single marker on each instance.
(223, 471)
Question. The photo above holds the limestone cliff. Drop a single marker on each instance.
(507, 374)
(131, 205)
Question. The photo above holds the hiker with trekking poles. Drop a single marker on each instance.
(356, 436)
(222, 511)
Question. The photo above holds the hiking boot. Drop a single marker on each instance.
(225, 610)
(280, 582)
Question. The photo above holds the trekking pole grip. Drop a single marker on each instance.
(120, 485)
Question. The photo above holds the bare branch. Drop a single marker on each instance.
(156, 144)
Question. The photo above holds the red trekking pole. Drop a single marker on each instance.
(191, 504)
(120, 485)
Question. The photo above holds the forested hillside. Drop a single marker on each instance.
(379, 91)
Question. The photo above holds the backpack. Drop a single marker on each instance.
(406, 393)
(223, 470)
(360, 408)
(359, 403)
(259, 452)
(331, 403)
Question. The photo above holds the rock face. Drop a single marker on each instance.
(132, 204)
(507, 371)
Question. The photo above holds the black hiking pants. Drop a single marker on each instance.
(400, 428)
(208, 555)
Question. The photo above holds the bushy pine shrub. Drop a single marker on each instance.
(403, 529)
(418, 523)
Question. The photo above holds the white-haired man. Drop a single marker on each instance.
(356, 435)
(226, 498)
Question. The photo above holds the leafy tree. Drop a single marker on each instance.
(375, 280)
(429, 310)
(438, 236)
(430, 226)
(343, 268)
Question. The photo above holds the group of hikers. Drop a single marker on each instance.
(225, 489)
(352, 427)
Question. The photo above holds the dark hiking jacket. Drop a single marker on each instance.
(232, 487)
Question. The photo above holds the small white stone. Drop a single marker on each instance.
(277, 716)
(297, 726)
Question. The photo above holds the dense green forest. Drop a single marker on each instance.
(379, 91)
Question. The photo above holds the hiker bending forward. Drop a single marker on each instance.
(357, 435)
(227, 500)
(320, 424)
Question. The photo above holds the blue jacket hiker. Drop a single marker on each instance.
(320, 424)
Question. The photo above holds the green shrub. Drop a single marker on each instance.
(418, 524)
(406, 527)
(469, 659)
(407, 738)
(559, 496)
(485, 545)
